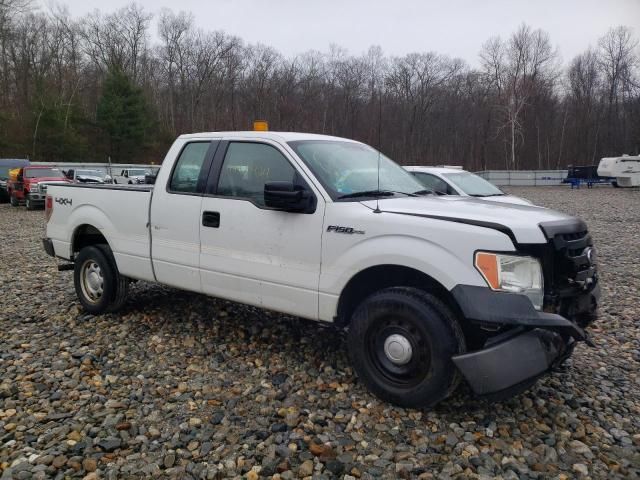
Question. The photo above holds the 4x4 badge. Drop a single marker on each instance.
(64, 201)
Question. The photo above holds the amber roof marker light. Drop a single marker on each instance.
(260, 126)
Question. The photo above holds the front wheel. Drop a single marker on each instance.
(99, 285)
(29, 204)
(401, 341)
(14, 201)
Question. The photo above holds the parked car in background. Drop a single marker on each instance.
(87, 176)
(431, 288)
(29, 185)
(625, 170)
(130, 176)
(7, 164)
(455, 181)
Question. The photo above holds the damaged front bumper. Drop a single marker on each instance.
(512, 361)
(506, 367)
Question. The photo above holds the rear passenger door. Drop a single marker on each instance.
(249, 252)
(175, 217)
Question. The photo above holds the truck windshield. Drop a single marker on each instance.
(42, 173)
(136, 173)
(346, 168)
(473, 185)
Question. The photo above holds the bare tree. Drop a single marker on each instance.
(517, 68)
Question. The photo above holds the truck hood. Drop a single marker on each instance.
(90, 179)
(519, 221)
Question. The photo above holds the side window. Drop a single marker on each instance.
(248, 166)
(186, 172)
(434, 183)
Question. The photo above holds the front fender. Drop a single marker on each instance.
(402, 250)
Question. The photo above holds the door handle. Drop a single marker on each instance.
(211, 219)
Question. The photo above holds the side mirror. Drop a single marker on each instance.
(288, 197)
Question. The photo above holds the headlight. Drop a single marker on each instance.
(511, 273)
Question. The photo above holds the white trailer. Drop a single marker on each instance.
(625, 170)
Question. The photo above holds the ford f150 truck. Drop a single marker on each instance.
(431, 289)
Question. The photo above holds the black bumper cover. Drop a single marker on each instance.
(516, 362)
(538, 343)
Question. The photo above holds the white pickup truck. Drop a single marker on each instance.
(431, 289)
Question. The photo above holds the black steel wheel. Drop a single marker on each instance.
(401, 341)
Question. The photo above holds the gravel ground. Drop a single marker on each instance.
(182, 386)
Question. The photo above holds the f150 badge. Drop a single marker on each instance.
(64, 201)
(347, 230)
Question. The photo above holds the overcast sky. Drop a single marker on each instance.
(454, 27)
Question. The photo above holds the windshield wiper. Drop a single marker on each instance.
(424, 192)
(374, 193)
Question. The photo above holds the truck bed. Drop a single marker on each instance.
(119, 212)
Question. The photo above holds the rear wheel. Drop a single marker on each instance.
(99, 285)
(401, 341)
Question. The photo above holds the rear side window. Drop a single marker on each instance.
(188, 168)
(248, 166)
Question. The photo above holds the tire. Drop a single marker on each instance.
(29, 204)
(384, 325)
(14, 201)
(97, 281)
(130, 182)
(615, 184)
(115, 182)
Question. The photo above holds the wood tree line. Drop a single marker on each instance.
(88, 88)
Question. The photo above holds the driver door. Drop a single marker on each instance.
(249, 252)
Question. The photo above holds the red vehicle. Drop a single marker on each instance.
(29, 185)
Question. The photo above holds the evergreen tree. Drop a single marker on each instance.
(124, 116)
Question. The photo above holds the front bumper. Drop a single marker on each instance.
(506, 367)
(485, 306)
(535, 342)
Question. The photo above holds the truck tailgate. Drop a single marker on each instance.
(119, 213)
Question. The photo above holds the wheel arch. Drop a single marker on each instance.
(85, 235)
(378, 277)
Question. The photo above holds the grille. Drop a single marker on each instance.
(572, 267)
